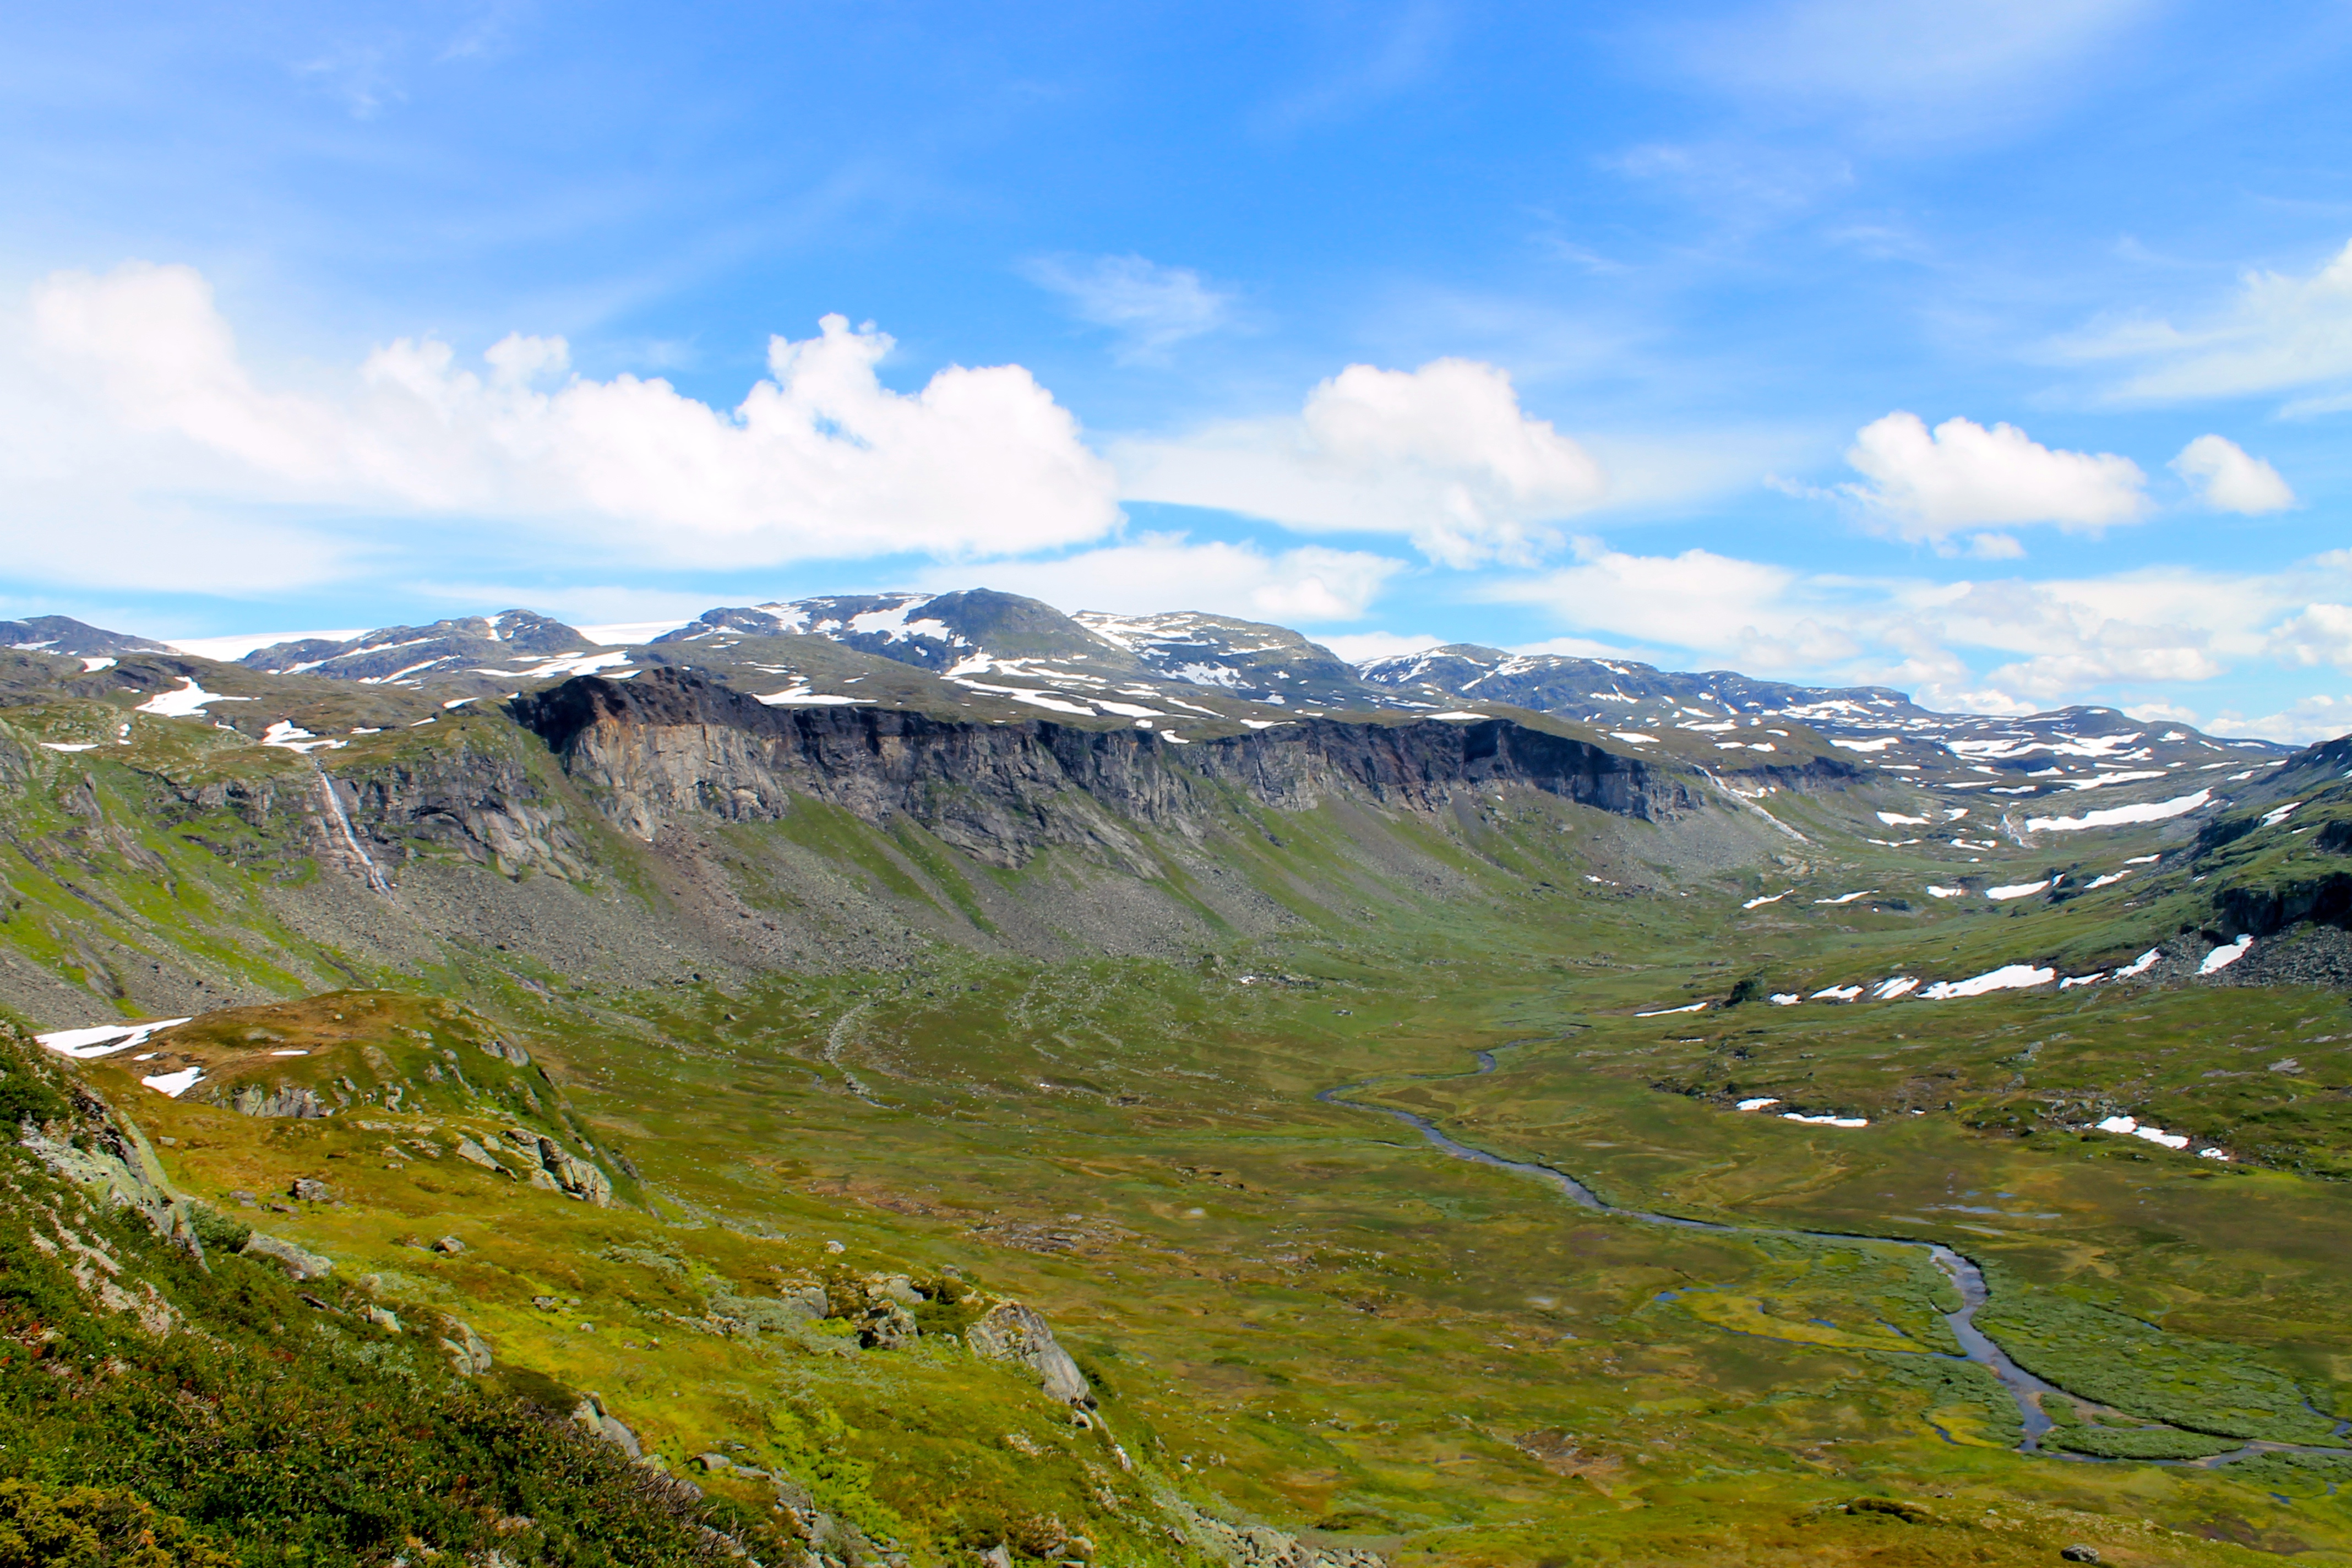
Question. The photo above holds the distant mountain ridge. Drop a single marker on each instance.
(1180, 670)
(64, 634)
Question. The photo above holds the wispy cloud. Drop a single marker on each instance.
(1150, 307)
(1931, 69)
(2277, 331)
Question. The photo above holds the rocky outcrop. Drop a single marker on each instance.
(1260, 1546)
(101, 1151)
(599, 1422)
(1013, 1332)
(557, 1168)
(286, 1099)
(672, 745)
(298, 1260)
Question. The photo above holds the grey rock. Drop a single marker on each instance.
(559, 1170)
(468, 1351)
(385, 1319)
(473, 1153)
(1011, 1332)
(997, 1557)
(448, 1247)
(286, 1099)
(310, 1190)
(2080, 1554)
(599, 1422)
(112, 1159)
(298, 1261)
(887, 1326)
(507, 1051)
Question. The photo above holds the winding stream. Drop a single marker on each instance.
(1968, 1279)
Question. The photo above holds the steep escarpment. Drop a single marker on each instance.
(672, 744)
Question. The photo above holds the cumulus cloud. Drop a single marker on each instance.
(1163, 571)
(1719, 605)
(821, 460)
(1929, 485)
(2318, 634)
(2320, 717)
(1151, 307)
(1357, 647)
(1443, 454)
(2227, 479)
(1996, 646)
(2278, 331)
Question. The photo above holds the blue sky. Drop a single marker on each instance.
(1997, 351)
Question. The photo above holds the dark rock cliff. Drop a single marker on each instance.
(672, 743)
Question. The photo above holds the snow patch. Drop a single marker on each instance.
(2017, 889)
(2141, 964)
(801, 697)
(2122, 816)
(103, 1040)
(1758, 1103)
(188, 702)
(1663, 1012)
(174, 1084)
(1827, 1120)
(2221, 958)
(1772, 898)
(2008, 977)
(1896, 819)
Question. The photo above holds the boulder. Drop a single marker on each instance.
(599, 1422)
(1013, 1332)
(887, 1326)
(310, 1190)
(448, 1247)
(2080, 1554)
(298, 1261)
(385, 1319)
(468, 1351)
(473, 1153)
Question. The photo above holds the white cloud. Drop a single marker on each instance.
(2227, 479)
(2318, 634)
(1443, 454)
(2164, 713)
(2310, 719)
(2279, 332)
(1357, 647)
(1167, 572)
(1999, 645)
(820, 462)
(1715, 605)
(1150, 307)
(1927, 485)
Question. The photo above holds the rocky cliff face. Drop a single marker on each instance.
(672, 744)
